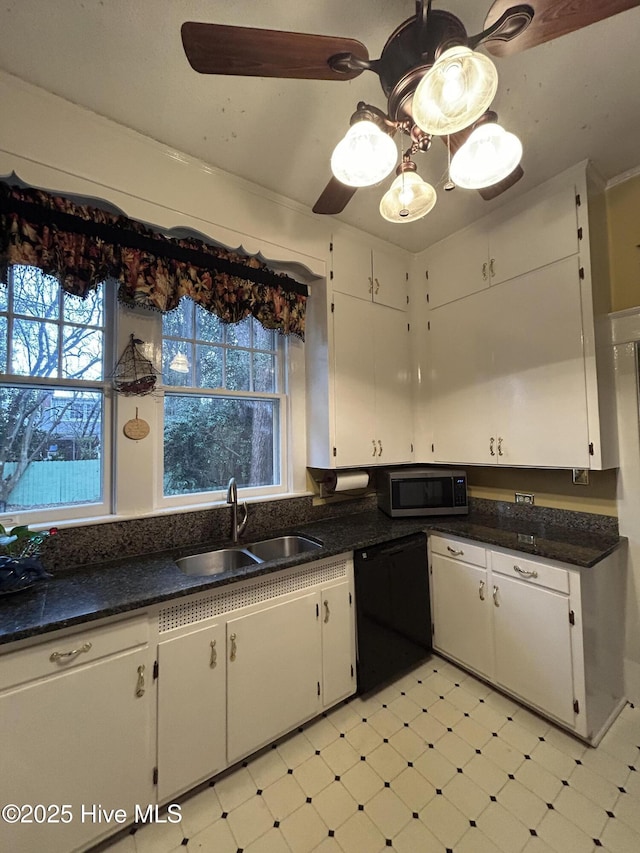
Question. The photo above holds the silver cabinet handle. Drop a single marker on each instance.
(213, 660)
(380, 445)
(140, 684)
(525, 573)
(370, 285)
(377, 285)
(481, 591)
(484, 271)
(232, 655)
(492, 270)
(500, 453)
(492, 441)
(454, 551)
(373, 441)
(61, 656)
(495, 596)
(327, 612)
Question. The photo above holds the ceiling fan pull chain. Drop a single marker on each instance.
(449, 185)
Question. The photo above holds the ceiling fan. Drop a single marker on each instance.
(415, 50)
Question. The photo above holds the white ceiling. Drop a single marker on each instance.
(569, 100)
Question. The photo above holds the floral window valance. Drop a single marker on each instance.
(82, 246)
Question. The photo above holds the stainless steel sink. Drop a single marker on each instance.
(215, 562)
(282, 546)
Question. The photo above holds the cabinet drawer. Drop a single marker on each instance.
(464, 551)
(72, 650)
(530, 571)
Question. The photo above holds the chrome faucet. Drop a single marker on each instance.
(237, 528)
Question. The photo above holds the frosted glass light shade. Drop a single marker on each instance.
(456, 91)
(407, 199)
(364, 156)
(179, 363)
(489, 155)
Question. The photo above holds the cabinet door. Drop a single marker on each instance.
(338, 643)
(543, 232)
(351, 267)
(539, 381)
(78, 738)
(533, 645)
(354, 381)
(464, 414)
(274, 673)
(191, 709)
(461, 608)
(458, 265)
(390, 279)
(393, 419)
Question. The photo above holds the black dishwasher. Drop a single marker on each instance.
(392, 609)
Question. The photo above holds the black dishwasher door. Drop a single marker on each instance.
(392, 609)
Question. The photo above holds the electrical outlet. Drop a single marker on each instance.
(524, 498)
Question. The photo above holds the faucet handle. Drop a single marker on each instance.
(245, 517)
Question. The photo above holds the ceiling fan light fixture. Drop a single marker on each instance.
(364, 156)
(489, 155)
(408, 198)
(455, 91)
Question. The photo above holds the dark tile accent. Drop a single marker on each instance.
(439, 791)
(342, 734)
(363, 758)
(578, 761)
(472, 823)
(597, 842)
(459, 769)
(317, 752)
(364, 719)
(387, 784)
(532, 832)
(510, 719)
(493, 799)
(385, 740)
(308, 799)
(431, 746)
(290, 771)
(478, 752)
(276, 824)
(565, 783)
(331, 833)
(406, 725)
(259, 792)
(388, 842)
(528, 757)
(541, 738)
(511, 776)
(631, 767)
(184, 842)
(610, 814)
(466, 715)
(336, 778)
(550, 806)
(360, 807)
(409, 763)
(224, 815)
(415, 816)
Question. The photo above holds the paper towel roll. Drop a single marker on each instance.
(346, 481)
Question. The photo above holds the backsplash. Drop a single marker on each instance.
(503, 513)
(78, 546)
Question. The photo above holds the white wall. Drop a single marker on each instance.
(626, 336)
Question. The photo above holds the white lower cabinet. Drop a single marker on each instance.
(274, 661)
(338, 642)
(547, 633)
(191, 709)
(77, 736)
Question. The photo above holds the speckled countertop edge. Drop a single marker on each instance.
(93, 592)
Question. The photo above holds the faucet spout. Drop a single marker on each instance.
(237, 528)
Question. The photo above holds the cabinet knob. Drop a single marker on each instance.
(481, 591)
(492, 270)
(232, 655)
(370, 285)
(492, 441)
(454, 551)
(380, 445)
(484, 271)
(500, 453)
(373, 441)
(327, 612)
(140, 684)
(495, 596)
(377, 285)
(213, 660)
(64, 656)
(525, 573)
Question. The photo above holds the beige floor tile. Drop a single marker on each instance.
(335, 804)
(553, 759)
(462, 699)
(534, 777)
(329, 845)
(343, 717)
(488, 717)
(505, 756)
(409, 744)
(422, 695)
(217, 836)
(439, 683)
(364, 737)
(413, 789)
(619, 837)
(501, 703)
(528, 807)
(416, 838)
(588, 816)
(446, 713)
(404, 708)
(303, 830)
(537, 845)
(158, 837)
(321, 733)
(387, 762)
(444, 820)
(283, 796)
(385, 722)
(313, 775)
(562, 835)
(340, 756)
(457, 750)
(567, 743)
(249, 821)
(429, 729)
(595, 787)
(472, 732)
(532, 721)
(505, 830)
(519, 737)
(295, 749)
(199, 810)
(475, 841)
(266, 768)
(362, 782)
(271, 842)
(466, 796)
(486, 774)
(435, 767)
(359, 834)
(627, 809)
(605, 765)
(388, 812)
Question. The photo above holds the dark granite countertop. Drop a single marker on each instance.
(96, 591)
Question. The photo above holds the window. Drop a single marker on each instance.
(223, 405)
(52, 396)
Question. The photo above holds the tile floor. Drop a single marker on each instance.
(435, 763)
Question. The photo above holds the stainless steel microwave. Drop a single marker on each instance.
(406, 492)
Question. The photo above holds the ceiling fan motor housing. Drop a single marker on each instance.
(409, 53)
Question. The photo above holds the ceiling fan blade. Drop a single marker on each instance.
(457, 140)
(334, 197)
(248, 52)
(552, 18)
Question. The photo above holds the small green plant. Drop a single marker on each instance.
(22, 542)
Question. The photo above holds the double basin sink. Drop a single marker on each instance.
(228, 559)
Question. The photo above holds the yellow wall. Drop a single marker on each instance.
(623, 210)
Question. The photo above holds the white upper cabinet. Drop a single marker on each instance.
(456, 266)
(372, 274)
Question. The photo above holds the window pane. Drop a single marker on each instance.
(3, 344)
(35, 348)
(179, 322)
(239, 334)
(208, 326)
(209, 367)
(263, 338)
(50, 447)
(4, 297)
(264, 374)
(81, 353)
(35, 294)
(238, 372)
(176, 363)
(87, 311)
(208, 440)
